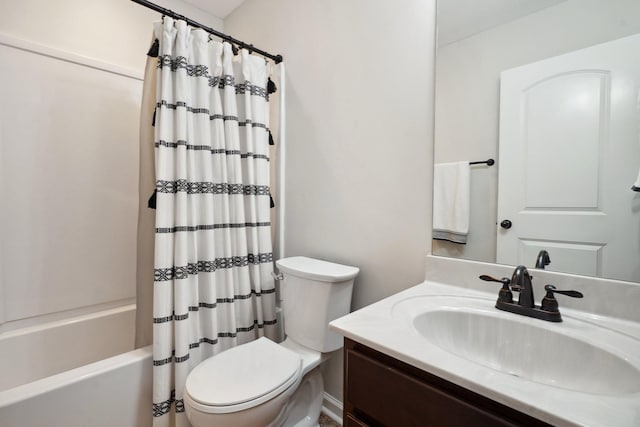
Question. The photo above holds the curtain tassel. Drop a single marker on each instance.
(271, 86)
(271, 139)
(151, 204)
(154, 50)
(272, 204)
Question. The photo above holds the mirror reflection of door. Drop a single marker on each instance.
(569, 153)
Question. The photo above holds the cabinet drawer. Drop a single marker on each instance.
(387, 396)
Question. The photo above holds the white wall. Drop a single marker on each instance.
(467, 94)
(69, 152)
(359, 134)
(114, 31)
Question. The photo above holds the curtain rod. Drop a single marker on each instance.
(166, 12)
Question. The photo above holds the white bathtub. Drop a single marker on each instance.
(66, 373)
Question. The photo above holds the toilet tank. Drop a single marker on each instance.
(314, 292)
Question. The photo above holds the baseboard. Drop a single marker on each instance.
(332, 408)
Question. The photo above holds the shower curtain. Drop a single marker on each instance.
(212, 284)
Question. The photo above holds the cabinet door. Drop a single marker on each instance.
(389, 397)
(351, 421)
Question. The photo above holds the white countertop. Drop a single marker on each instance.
(379, 328)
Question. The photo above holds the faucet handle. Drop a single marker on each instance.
(505, 294)
(552, 290)
(549, 302)
(486, 278)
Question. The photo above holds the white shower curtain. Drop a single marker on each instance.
(212, 286)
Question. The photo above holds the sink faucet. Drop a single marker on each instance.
(521, 282)
(543, 259)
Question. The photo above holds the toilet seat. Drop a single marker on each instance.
(243, 377)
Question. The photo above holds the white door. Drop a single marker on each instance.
(569, 154)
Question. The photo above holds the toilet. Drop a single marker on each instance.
(265, 384)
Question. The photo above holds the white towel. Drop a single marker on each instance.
(451, 194)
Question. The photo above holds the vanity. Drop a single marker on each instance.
(441, 354)
(407, 396)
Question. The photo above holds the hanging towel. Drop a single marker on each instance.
(451, 193)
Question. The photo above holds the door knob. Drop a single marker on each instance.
(506, 224)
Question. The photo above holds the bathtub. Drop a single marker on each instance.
(76, 372)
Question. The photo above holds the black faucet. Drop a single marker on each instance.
(543, 259)
(521, 282)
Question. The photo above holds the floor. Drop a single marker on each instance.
(325, 421)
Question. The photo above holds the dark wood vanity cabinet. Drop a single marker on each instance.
(382, 391)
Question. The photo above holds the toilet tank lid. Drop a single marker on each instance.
(315, 269)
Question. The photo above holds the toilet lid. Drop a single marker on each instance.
(246, 375)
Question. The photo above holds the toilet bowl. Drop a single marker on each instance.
(262, 383)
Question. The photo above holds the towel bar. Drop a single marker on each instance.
(489, 162)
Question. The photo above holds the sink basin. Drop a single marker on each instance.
(573, 355)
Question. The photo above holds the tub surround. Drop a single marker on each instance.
(608, 305)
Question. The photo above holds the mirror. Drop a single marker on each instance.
(549, 90)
